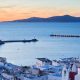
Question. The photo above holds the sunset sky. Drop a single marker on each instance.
(19, 9)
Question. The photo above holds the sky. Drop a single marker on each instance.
(20, 9)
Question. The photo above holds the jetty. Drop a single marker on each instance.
(71, 36)
(11, 41)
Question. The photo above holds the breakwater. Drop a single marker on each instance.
(11, 41)
(71, 36)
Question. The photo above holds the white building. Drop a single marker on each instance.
(7, 76)
(55, 63)
(2, 64)
(54, 77)
(2, 59)
(35, 71)
(65, 73)
(77, 77)
(43, 62)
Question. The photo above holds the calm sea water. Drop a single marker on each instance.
(52, 48)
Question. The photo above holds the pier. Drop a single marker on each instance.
(71, 36)
(11, 41)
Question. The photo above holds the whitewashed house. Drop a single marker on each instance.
(65, 73)
(55, 63)
(77, 77)
(2, 64)
(69, 73)
(2, 59)
(57, 73)
(7, 76)
(35, 71)
(54, 77)
(43, 62)
(40, 78)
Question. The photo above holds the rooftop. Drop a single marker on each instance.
(44, 59)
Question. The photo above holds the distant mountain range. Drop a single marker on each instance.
(64, 18)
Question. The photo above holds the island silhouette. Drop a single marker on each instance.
(64, 18)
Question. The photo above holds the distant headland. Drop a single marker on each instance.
(64, 18)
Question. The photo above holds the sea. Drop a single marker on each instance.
(46, 47)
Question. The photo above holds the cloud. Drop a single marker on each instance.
(10, 6)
